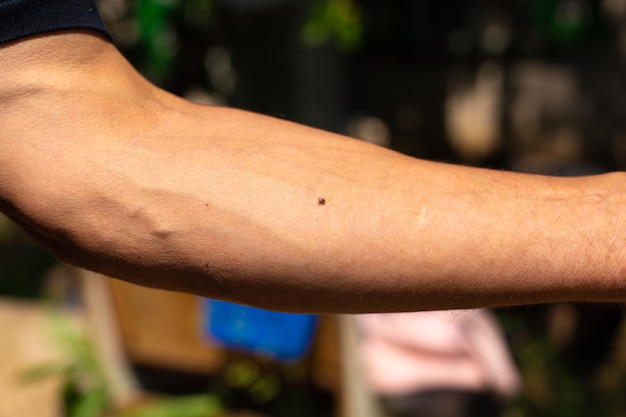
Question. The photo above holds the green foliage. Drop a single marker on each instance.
(203, 405)
(259, 384)
(157, 34)
(85, 392)
(338, 21)
(566, 22)
(556, 382)
(160, 24)
(246, 375)
(199, 13)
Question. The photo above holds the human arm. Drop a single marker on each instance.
(114, 175)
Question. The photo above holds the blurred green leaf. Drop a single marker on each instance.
(189, 406)
(242, 374)
(199, 13)
(338, 21)
(85, 393)
(158, 34)
(39, 372)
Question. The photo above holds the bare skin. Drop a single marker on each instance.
(114, 175)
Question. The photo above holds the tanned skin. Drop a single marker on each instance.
(112, 174)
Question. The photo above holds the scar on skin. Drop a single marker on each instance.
(422, 217)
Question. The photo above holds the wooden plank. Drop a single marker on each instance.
(163, 328)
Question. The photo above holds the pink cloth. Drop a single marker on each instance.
(456, 349)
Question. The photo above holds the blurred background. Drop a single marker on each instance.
(534, 86)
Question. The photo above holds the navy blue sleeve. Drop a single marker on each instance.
(21, 18)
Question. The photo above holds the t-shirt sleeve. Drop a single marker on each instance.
(21, 18)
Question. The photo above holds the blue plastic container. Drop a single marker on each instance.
(284, 337)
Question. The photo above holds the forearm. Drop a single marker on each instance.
(398, 233)
(394, 233)
(238, 218)
(143, 186)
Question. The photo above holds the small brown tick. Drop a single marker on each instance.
(321, 201)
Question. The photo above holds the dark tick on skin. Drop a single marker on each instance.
(321, 201)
